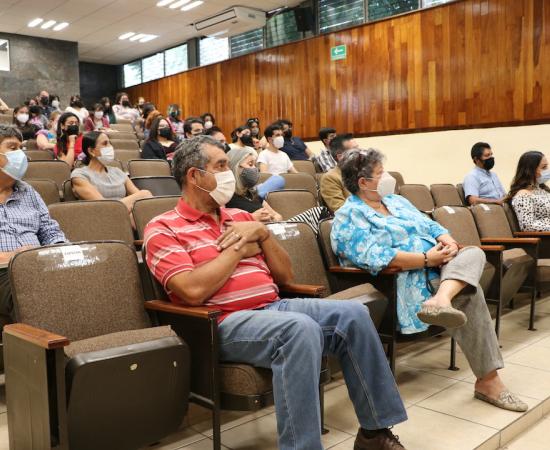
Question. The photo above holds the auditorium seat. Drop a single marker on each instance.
(94, 220)
(223, 385)
(399, 181)
(445, 195)
(493, 224)
(68, 193)
(514, 265)
(31, 145)
(120, 126)
(290, 202)
(125, 144)
(305, 167)
(341, 278)
(57, 171)
(47, 189)
(263, 176)
(419, 195)
(149, 168)
(39, 155)
(301, 181)
(460, 189)
(125, 155)
(121, 135)
(158, 186)
(85, 369)
(146, 209)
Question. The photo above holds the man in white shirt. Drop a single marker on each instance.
(273, 160)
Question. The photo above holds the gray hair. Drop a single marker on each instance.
(10, 131)
(358, 163)
(190, 153)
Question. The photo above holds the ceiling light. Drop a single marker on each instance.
(48, 24)
(179, 3)
(164, 2)
(148, 37)
(137, 36)
(61, 26)
(126, 35)
(192, 5)
(35, 22)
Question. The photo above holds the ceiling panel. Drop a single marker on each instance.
(97, 24)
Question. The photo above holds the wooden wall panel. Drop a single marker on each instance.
(464, 64)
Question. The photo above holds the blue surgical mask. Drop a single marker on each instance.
(17, 164)
(544, 176)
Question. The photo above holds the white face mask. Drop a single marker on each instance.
(55, 103)
(225, 187)
(107, 155)
(278, 142)
(22, 118)
(544, 176)
(386, 185)
(98, 114)
(208, 124)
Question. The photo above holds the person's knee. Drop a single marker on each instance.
(304, 331)
(475, 253)
(144, 193)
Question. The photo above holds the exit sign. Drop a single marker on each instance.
(338, 52)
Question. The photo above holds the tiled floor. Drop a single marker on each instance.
(443, 415)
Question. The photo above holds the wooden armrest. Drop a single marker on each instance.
(492, 248)
(303, 289)
(36, 336)
(518, 241)
(203, 312)
(534, 234)
(138, 242)
(356, 270)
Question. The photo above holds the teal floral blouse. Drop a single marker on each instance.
(367, 239)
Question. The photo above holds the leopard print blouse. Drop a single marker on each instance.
(533, 210)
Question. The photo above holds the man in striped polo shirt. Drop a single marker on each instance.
(205, 254)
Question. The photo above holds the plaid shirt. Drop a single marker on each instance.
(325, 160)
(25, 220)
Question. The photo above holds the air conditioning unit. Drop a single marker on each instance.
(233, 21)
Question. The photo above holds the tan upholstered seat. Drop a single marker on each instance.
(47, 189)
(301, 181)
(399, 181)
(38, 155)
(147, 208)
(57, 171)
(244, 379)
(149, 168)
(125, 144)
(289, 203)
(125, 155)
(304, 167)
(445, 195)
(93, 220)
(419, 195)
(158, 186)
(460, 190)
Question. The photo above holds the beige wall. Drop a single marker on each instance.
(444, 156)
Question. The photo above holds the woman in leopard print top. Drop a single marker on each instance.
(529, 196)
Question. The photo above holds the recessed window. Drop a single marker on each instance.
(152, 67)
(248, 42)
(175, 60)
(337, 14)
(378, 9)
(213, 49)
(132, 73)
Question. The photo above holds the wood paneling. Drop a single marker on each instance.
(468, 63)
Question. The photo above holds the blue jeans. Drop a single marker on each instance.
(290, 337)
(273, 183)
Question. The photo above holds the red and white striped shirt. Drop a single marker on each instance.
(185, 238)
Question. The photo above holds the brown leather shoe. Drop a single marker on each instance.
(384, 440)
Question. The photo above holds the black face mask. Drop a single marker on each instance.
(246, 139)
(174, 114)
(77, 103)
(44, 100)
(35, 110)
(227, 147)
(126, 103)
(73, 130)
(488, 163)
(165, 133)
(288, 133)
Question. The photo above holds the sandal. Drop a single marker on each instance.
(444, 316)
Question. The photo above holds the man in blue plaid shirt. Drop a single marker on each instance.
(24, 218)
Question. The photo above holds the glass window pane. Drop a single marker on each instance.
(427, 3)
(379, 9)
(248, 42)
(336, 14)
(132, 73)
(282, 28)
(213, 49)
(153, 67)
(175, 60)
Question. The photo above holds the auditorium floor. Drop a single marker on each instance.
(443, 415)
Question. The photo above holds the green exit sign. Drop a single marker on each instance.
(338, 52)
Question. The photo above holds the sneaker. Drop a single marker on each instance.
(384, 440)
